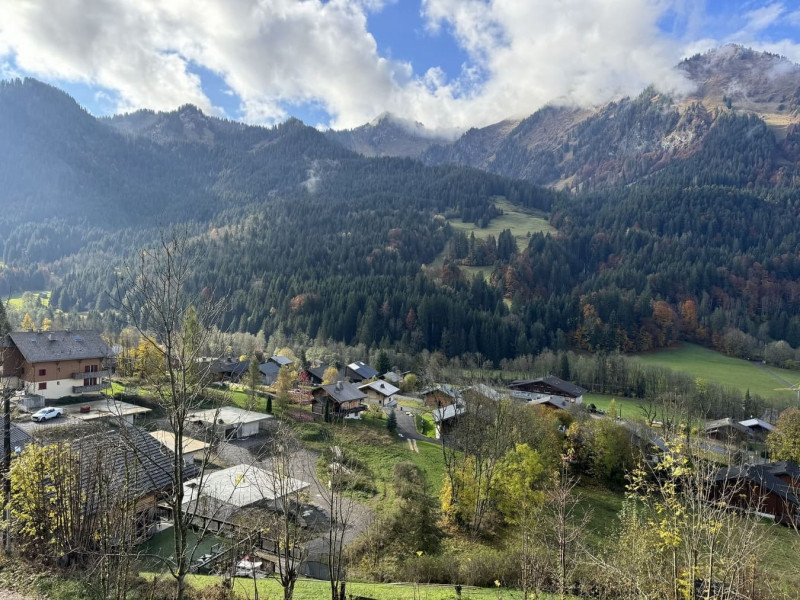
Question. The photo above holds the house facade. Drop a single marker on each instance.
(342, 399)
(54, 364)
(381, 392)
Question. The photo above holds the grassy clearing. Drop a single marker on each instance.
(16, 303)
(519, 220)
(428, 429)
(629, 406)
(724, 370)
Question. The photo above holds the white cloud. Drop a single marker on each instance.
(274, 53)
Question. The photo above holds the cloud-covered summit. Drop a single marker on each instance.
(262, 60)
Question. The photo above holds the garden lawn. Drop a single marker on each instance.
(724, 370)
(309, 589)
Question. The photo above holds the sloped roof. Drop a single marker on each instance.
(19, 437)
(243, 485)
(447, 390)
(229, 366)
(555, 401)
(384, 388)
(343, 391)
(762, 476)
(727, 422)
(392, 377)
(281, 360)
(448, 412)
(757, 423)
(269, 368)
(48, 346)
(363, 369)
(555, 382)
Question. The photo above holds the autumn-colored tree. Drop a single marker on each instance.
(784, 442)
(46, 324)
(27, 323)
(330, 375)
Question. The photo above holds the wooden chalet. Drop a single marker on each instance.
(728, 430)
(771, 489)
(533, 389)
(54, 364)
(342, 399)
(440, 395)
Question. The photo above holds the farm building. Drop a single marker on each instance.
(531, 389)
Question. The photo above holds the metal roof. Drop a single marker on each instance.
(362, 369)
(343, 391)
(554, 382)
(50, 346)
(243, 485)
(227, 415)
(448, 412)
(167, 439)
(281, 360)
(753, 423)
(384, 388)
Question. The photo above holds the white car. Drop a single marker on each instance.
(46, 413)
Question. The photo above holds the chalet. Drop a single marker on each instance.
(135, 463)
(359, 371)
(228, 369)
(728, 430)
(771, 489)
(269, 372)
(281, 361)
(760, 429)
(481, 391)
(314, 375)
(229, 421)
(193, 450)
(380, 391)
(342, 399)
(54, 364)
(531, 389)
(446, 418)
(440, 395)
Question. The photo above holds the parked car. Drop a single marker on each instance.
(46, 413)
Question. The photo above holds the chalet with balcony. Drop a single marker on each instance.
(380, 391)
(54, 364)
(343, 400)
(533, 389)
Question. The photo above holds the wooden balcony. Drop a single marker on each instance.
(85, 375)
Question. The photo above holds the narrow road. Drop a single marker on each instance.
(763, 367)
(407, 428)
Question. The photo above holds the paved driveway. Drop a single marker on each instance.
(407, 428)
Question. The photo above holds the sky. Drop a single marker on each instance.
(449, 64)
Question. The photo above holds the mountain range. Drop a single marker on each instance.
(620, 142)
(658, 218)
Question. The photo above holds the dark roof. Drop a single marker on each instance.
(269, 368)
(784, 467)
(318, 372)
(49, 346)
(362, 369)
(762, 476)
(447, 390)
(555, 382)
(227, 366)
(19, 437)
(727, 422)
(281, 360)
(384, 388)
(343, 391)
(133, 455)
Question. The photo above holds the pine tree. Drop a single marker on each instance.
(391, 421)
(269, 405)
(383, 365)
(5, 326)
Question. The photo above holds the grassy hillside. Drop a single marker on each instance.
(724, 370)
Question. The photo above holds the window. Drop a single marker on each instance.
(42, 372)
(43, 385)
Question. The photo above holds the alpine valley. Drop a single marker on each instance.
(626, 226)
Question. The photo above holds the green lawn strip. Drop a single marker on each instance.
(629, 406)
(428, 428)
(311, 589)
(519, 220)
(724, 370)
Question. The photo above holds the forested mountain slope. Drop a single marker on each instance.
(305, 236)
